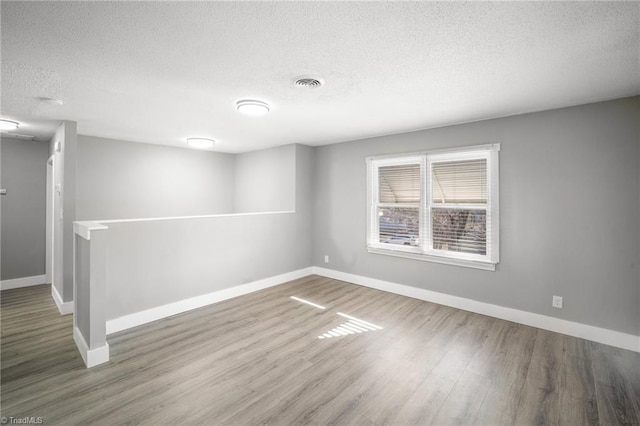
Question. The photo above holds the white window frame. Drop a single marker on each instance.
(373, 237)
(425, 249)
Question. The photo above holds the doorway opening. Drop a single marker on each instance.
(50, 220)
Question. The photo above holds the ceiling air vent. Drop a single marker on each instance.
(307, 81)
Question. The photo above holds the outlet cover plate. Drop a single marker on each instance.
(557, 302)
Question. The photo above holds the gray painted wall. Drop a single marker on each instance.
(265, 180)
(152, 263)
(127, 180)
(23, 167)
(570, 203)
(304, 201)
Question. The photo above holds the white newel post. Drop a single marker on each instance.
(89, 281)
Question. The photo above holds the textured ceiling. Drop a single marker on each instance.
(158, 72)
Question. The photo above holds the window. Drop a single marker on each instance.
(438, 206)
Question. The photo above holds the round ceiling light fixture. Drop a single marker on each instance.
(200, 143)
(253, 107)
(8, 125)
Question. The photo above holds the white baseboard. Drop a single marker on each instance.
(23, 282)
(583, 331)
(65, 308)
(153, 314)
(91, 357)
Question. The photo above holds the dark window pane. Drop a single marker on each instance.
(460, 230)
(399, 226)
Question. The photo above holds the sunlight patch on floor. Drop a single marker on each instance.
(308, 302)
(353, 326)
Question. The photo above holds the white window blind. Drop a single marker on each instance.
(460, 181)
(458, 206)
(436, 206)
(399, 184)
(398, 207)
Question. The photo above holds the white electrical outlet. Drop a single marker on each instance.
(326, 258)
(557, 302)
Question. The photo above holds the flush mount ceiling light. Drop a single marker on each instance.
(200, 143)
(9, 125)
(252, 107)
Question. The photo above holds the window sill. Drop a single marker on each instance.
(486, 266)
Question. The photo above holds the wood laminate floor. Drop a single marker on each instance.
(257, 359)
